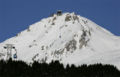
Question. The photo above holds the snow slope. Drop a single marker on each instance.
(69, 38)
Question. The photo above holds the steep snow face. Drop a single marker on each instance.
(68, 38)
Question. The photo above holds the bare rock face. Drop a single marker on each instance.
(84, 40)
(71, 45)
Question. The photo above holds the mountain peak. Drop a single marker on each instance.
(66, 37)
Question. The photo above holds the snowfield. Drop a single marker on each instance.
(69, 38)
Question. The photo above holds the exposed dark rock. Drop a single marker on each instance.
(59, 52)
(42, 48)
(75, 17)
(53, 23)
(68, 17)
(34, 57)
(83, 41)
(71, 45)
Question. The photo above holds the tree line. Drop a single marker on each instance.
(55, 69)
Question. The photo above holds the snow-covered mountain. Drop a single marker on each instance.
(69, 38)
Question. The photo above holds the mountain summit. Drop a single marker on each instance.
(67, 37)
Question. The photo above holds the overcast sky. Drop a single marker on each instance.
(17, 15)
